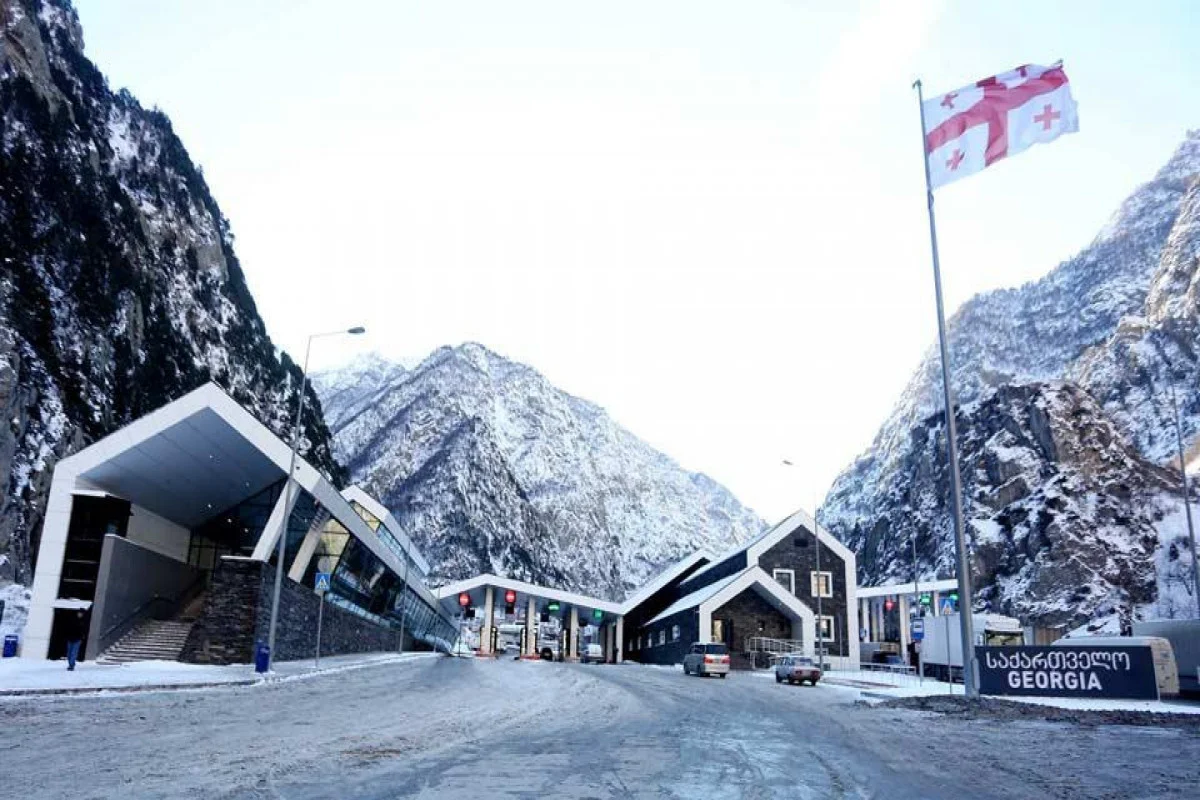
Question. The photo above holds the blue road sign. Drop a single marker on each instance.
(947, 606)
(322, 581)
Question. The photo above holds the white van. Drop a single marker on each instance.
(592, 654)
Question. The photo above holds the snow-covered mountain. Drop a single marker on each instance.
(1118, 324)
(120, 288)
(489, 467)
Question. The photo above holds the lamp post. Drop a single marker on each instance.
(287, 489)
(1187, 504)
(820, 588)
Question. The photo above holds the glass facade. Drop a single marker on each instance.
(234, 531)
(360, 581)
(390, 541)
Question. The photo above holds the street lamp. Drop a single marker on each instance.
(820, 614)
(1187, 505)
(287, 488)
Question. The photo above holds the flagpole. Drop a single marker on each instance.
(965, 606)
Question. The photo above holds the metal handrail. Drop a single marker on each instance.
(177, 603)
(133, 614)
(766, 644)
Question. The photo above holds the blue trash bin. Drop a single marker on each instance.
(262, 657)
(10, 645)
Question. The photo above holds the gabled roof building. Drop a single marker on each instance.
(176, 518)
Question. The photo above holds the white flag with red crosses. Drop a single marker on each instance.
(997, 117)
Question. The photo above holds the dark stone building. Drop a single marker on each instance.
(770, 594)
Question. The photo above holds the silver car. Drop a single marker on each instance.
(707, 659)
(797, 669)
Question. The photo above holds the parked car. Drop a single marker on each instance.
(707, 659)
(797, 669)
(592, 654)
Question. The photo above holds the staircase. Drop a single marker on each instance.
(154, 639)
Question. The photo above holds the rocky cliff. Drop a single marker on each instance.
(120, 288)
(489, 467)
(1076, 372)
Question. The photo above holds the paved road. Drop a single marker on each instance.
(443, 728)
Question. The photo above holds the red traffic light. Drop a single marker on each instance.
(464, 599)
(510, 596)
(889, 604)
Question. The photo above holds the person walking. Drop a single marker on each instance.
(75, 633)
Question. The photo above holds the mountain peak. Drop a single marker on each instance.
(1064, 413)
(485, 462)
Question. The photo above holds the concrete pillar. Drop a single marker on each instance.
(880, 627)
(902, 607)
(604, 643)
(489, 619)
(619, 635)
(937, 603)
(573, 635)
(864, 618)
(531, 628)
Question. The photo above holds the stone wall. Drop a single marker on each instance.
(342, 631)
(748, 615)
(237, 613)
(225, 631)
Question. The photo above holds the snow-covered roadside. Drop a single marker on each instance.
(874, 687)
(16, 608)
(25, 676)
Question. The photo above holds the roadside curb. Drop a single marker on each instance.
(158, 687)
(261, 680)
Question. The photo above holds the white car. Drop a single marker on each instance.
(592, 654)
(707, 659)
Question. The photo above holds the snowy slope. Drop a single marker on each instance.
(1119, 323)
(120, 289)
(492, 468)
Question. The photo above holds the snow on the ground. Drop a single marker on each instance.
(911, 686)
(16, 608)
(27, 674)
(1104, 704)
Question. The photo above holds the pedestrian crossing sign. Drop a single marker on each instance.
(322, 581)
(947, 606)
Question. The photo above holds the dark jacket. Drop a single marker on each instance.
(76, 627)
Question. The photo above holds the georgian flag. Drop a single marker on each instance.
(1001, 116)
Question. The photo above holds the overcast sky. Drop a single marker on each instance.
(707, 217)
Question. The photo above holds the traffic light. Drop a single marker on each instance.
(889, 604)
(597, 615)
(926, 599)
(553, 606)
(510, 603)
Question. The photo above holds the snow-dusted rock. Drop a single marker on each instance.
(1069, 528)
(119, 286)
(491, 468)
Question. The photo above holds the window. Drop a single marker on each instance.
(662, 636)
(826, 629)
(718, 630)
(715, 649)
(649, 641)
(674, 633)
(786, 578)
(822, 584)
